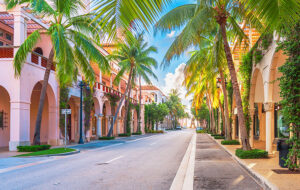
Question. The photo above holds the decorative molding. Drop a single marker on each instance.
(268, 106)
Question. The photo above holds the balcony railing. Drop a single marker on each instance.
(107, 89)
(35, 58)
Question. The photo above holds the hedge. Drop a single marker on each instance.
(231, 142)
(124, 135)
(152, 131)
(251, 154)
(201, 131)
(33, 148)
(137, 133)
(219, 137)
(106, 138)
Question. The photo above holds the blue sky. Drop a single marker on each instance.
(172, 76)
(162, 43)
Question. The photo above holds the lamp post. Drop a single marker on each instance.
(81, 85)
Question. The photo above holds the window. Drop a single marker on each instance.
(1, 43)
(1, 33)
(281, 127)
(236, 126)
(256, 123)
(1, 119)
(8, 37)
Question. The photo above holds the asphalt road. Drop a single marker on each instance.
(147, 162)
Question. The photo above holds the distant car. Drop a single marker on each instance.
(178, 128)
(199, 128)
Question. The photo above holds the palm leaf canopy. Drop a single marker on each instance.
(126, 14)
(71, 37)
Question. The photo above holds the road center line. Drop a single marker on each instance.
(114, 159)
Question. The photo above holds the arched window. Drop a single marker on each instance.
(38, 50)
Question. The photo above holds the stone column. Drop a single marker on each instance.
(251, 137)
(53, 137)
(19, 124)
(268, 107)
(99, 122)
(20, 27)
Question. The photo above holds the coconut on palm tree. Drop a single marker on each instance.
(132, 53)
(72, 46)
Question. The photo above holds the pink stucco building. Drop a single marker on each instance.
(19, 96)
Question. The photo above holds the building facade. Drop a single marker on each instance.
(19, 96)
(267, 122)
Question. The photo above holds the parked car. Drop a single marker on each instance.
(199, 128)
(178, 128)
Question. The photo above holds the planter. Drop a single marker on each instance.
(283, 149)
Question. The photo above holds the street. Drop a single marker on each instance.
(149, 162)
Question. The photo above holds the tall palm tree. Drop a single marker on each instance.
(133, 56)
(72, 45)
(201, 18)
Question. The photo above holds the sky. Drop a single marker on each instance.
(172, 76)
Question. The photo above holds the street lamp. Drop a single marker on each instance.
(81, 85)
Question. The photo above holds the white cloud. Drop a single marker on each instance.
(170, 35)
(174, 81)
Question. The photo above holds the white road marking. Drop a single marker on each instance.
(114, 159)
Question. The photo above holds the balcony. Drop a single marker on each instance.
(106, 89)
(7, 52)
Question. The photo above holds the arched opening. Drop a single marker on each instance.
(135, 121)
(280, 129)
(256, 104)
(121, 125)
(106, 117)
(48, 126)
(73, 119)
(38, 50)
(94, 118)
(4, 117)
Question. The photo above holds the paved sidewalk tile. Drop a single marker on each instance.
(216, 170)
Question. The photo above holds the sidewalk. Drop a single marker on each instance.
(216, 169)
(269, 169)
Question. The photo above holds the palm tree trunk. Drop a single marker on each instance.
(140, 104)
(236, 90)
(212, 115)
(223, 117)
(127, 110)
(119, 106)
(37, 132)
(226, 112)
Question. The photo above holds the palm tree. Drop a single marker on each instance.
(201, 20)
(211, 58)
(133, 56)
(72, 46)
(116, 15)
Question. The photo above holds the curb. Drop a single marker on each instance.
(259, 178)
(184, 178)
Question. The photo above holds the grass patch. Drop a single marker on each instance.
(48, 152)
(231, 142)
(124, 135)
(153, 131)
(251, 154)
(219, 137)
(106, 138)
(33, 148)
(137, 133)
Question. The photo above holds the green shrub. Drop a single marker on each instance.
(33, 148)
(231, 142)
(124, 135)
(214, 135)
(153, 131)
(106, 138)
(250, 154)
(219, 137)
(137, 133)
(201, 131)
